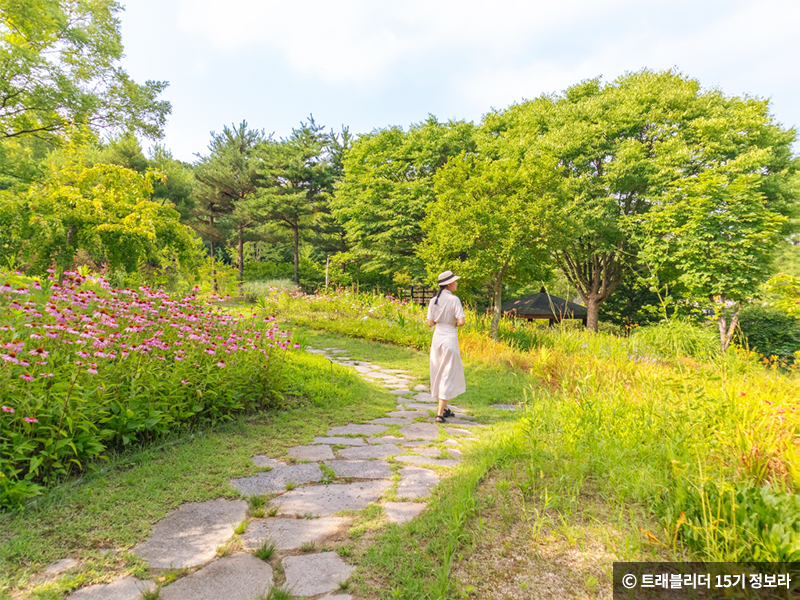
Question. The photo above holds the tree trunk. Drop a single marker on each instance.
(592, 312)
(297, 255)
(65, 260)
(498, 304)
(726, 332)
(214, 286)
(241, 262)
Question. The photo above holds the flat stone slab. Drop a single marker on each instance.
(424, 397)
(375, 451)
(429, 452)
(425, 431)
(315, 573)
(408, 414)
(262, 460)
(340, 441)
(362, 369)
(463, 422)
(505, 406)
(456, 431)
(420, 406)
(416, 443)
(189, 536)
(240, 576)
(449, 442)
(402, 392)
(354, 429)
(124, 588)
(323, 500)
(402, 512)
(289, 534)
(416, 482)
(386, 439)
(311, 452)
(421, 388)
(392, 421)
(424, 460)
(275, 481)
(337, 597)
(56, 569)
(361, 469)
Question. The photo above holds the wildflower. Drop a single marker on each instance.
(45, 374)
(24, 362)
(296, 346)
(742, 393)
(210, 351)
(30, 420)
(26, 377)
(41, 363)
(10, 357)
(183, 381)
(101, 388)
(8, 409)
(39, 351)
(221, 364)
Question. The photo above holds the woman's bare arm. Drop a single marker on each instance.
(431, 323)
(461, 322)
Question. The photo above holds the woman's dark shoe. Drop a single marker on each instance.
(440, 419)
(448, 413)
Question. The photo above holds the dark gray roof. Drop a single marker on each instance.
(545, 305)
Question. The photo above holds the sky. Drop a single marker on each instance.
(374, 64)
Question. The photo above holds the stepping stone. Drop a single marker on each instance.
(429, 452)
(189, 536)
(505, 406)
(336, 350)
(341, 441)
(376, 451)
(450, 442)
(424, 397)
(262, 460)
(362, 369)
(311, 452)
(391, 421)
(463, 422)
(241, 576)
(456, 431)
(420, 406)
(417, 443)
(416, 482)
(289, 534)
(323, 500)
(395, 386)
(314, 351)
(402, 392)
(124, 588)
(275, 481)
(315, 573)
(423, 460)
(337, 597)
(57, 568)
(361, 469)
(387, 439)
(425, 431)
(354, 429)
(379, 375)
(394, 371)
(410, 414)
(402, 512)
(421, 388)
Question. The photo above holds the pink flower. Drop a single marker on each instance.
(30, 420)
(210, 351)
(10, 357)
(92, 371)
(45, 374)
(296, 346)
(39, 352)
(26, 377)
(24, 363)
(183, 381)
(8, 409)
(221, 364)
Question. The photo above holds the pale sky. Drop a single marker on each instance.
(369, 64)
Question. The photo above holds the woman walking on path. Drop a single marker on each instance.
(447, 374)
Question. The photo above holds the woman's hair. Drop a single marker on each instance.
(441, 289)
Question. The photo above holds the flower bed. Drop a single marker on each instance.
(85, 368)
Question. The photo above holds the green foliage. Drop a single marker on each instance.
(673, 338)
(786, 292)
(59, 64)
(770, 332)
(387, 187)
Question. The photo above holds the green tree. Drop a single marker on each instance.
(300, 176)
(59, 65)
(104, 209)
(387, 187)
(488, 223)
(229, 180)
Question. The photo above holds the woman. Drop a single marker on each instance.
(447, 374)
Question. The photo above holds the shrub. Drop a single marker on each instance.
(675, 338)
(770, 332)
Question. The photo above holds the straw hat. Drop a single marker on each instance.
(447, 278)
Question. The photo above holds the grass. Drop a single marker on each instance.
(266, 549)
(115, 505)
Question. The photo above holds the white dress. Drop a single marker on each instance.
(447, 373)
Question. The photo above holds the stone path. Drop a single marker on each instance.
(393, 461)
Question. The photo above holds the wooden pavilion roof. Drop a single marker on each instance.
(544, 306)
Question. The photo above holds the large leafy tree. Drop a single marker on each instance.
(299, 174)
(229, 180)
(645, 141)
(489, 222)
(387, 187)
(59, 64)
(104, 209)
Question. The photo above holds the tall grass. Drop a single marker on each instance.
(708, 441)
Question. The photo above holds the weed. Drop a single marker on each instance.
(290, 485)
(308, 547)
(277, 593)
(273, 511)
(242, 527)
(266, 549)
